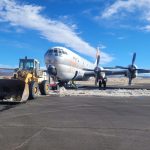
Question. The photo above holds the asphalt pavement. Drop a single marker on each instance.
(76, 123)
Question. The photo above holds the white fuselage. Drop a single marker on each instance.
(67, 63)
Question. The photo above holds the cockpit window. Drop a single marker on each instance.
(50, 51)
(56, 52)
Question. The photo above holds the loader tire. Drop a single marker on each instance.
(44, 87)
(33, 90)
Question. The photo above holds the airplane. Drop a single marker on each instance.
(65, 65)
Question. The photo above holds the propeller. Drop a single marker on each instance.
(131, 69)
(97, 69)
(133, 59)
(98, 60)
(52, 70)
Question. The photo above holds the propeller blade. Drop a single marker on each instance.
(130, 81)
(96, 80)
(133, 59)
(98, 60)
(97, 76)
(98, 57)
(143, 70)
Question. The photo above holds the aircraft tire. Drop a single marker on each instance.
(104, 83)
(100, 84)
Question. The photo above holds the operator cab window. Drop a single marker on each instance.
(27, 65)
(21, 65)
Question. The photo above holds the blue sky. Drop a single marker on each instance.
(118, 27)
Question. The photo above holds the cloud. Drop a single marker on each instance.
(75, 1)
(147, 28)
(30, 16)
(121, 8)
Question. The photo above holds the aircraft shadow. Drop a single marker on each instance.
(7, 105)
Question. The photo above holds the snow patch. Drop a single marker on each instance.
(107, 92)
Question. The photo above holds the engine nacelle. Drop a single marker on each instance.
(52, 70)
(131, 72)
(101, 73)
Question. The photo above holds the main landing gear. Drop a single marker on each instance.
(102, 83)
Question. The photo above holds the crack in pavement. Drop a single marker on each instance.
(28, 139)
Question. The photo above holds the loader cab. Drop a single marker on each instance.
(30, 65)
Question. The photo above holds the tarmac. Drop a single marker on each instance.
(76, 123)
(138, 86)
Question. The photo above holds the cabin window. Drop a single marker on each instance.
(55, 50)
(64, 52)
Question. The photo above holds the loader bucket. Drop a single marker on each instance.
(12, 90)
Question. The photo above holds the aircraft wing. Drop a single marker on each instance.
(107, 72)
(117, 72)
(143, 71)
(123, 72)
(89, 74)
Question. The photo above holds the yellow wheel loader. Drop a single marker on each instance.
(27, 82)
